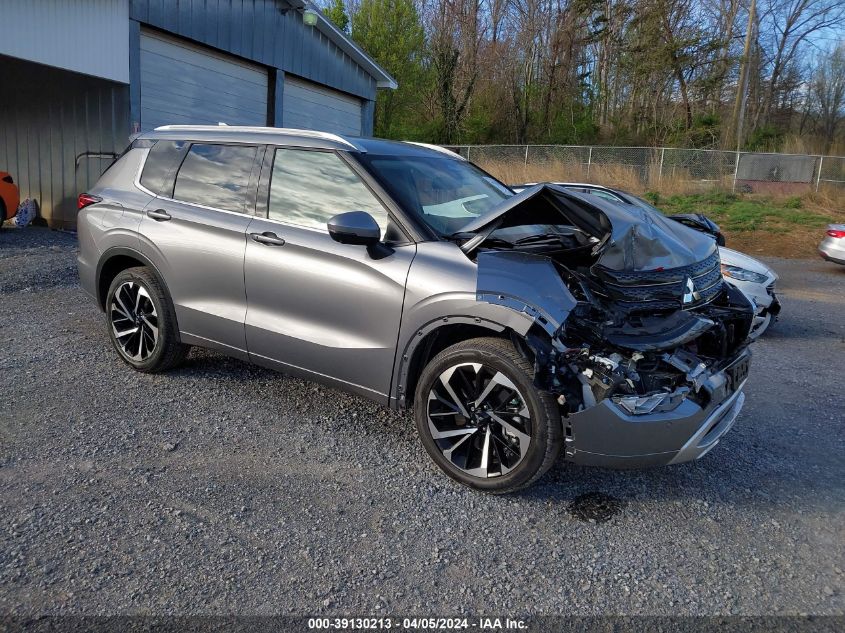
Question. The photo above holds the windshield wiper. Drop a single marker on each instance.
(541, 237)
(548, 237)
(475, 239)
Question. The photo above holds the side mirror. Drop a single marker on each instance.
(354, 227)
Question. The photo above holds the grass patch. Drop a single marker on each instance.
(755, 223)
(737, 213)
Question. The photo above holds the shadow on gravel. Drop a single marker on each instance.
(203, 361)
(791, 325)
(805, 330)
(595, 507)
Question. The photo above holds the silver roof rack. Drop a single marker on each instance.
(326, 136)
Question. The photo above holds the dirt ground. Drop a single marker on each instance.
(799, 243)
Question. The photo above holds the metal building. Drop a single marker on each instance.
(78, 77)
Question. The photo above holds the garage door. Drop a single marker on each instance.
(309, 106)
(186, 84)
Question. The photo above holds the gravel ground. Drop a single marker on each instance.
(226, 488)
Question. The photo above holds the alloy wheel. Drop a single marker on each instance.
(134, 321)
(479, 420)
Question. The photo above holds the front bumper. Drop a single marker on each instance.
(766, 304)
(605, 435)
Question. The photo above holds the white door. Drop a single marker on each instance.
(186, 84)
(310, 106)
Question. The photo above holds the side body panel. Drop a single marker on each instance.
(442, 290)
(112, 223)
(200, 252)
(323, 309)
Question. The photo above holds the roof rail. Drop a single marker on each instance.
(328, 136)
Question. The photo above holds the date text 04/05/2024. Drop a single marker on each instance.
(424, 624)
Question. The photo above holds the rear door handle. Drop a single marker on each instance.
(159, 214)
(268, 238)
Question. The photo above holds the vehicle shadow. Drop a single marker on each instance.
(748, 467)
(738, 472)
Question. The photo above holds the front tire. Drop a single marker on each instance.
(482, 420)
(142, 322)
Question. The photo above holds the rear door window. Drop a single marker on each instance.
(160, 165)
(216, 176)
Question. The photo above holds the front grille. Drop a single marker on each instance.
(640, 277)
(658, 290)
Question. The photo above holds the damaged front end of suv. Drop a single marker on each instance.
(644, 345)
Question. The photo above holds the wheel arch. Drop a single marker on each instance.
(436, 336)
(114, 261)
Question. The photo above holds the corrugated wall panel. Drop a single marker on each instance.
(186, 83)
(46, 121)
(258, 31)
(311, 106)
(49, 33)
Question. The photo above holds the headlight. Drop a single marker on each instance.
(742, 274)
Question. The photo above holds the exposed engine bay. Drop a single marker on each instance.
(629, 307)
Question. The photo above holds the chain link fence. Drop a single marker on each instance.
(660, 168)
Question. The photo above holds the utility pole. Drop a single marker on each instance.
(742, 87)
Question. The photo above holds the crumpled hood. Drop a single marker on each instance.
(645, 240)
(639, 239)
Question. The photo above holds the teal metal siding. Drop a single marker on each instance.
(83, 36)
(185, 83)
(48, 119)
(313, 106)
(258, 31)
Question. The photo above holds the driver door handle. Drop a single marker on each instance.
(268, 238)
(159, 214)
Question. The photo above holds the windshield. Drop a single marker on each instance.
(445, 193)
(644, 204)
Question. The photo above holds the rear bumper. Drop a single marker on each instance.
(833, 250)
(605, 435)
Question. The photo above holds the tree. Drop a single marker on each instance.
(336, 12)
(391, 32)
(615, 71)
(828, 89)
(787, 27)
(454, 44)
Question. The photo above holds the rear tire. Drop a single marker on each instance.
(142, 322)
(482, 420)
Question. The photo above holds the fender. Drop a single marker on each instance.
(117, 251)
(496, 319)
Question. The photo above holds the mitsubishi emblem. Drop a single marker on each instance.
(691, 293)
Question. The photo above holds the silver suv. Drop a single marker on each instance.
(514, 325)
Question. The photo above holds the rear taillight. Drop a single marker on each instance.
(85, 199)
(836, 233)
(8, 179)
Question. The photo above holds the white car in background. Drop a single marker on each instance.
(753, 277)
(757, 281)
(832, 247)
